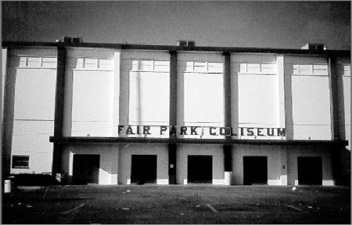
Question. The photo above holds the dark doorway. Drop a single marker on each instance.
(200, 169)
(255, 170)
(85, 169)
(143, 169)
(310, 171)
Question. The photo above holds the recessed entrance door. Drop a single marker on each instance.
(310, 171)
(255, 170)
(143, 169)
(200, 169)
(85, 169)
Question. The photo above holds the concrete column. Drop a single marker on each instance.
(287, 75)
(181, 65)
(114, 165)
(227, 89)
(116, 106)
(116, 117)
(173, 89)
(333, 85)
(283, 176)
(235, 69)
(124, 92)
(227, 148)
(335, 151)
(69, 159)
(8, 113)
(281, 90)
(4, 67)
(70, 65)
(282, 117)
(59, 108)
(173, 116)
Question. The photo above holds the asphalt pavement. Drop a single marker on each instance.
(176, 204)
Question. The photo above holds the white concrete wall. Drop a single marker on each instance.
(34, 107)
(307, 151)
(91, 78)
(99, 94)
(31, 138)
(144, 89)
(115, 161)
(184, 150)
(92, 103)
(200, 91)
(149, 98)
(344, 98)
(257, 104)
(109, 158)
(310, 101)
(257, 91)
(276, 175)
(125, 161)
(282, 162)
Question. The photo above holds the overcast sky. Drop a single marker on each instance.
(218, 23)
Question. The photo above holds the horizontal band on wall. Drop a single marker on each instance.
(177, 48)
(109, 140)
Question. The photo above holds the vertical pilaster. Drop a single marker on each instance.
(116, 102)
(116, 116)
(281, 90)
(227, 89)
(59, 108)
(235, 69)
(68, 95)
(227, 148)
(333, 75)
(126, 66)
(4, 68)
(8, 114)
(173, 88)
(288, 70)
(283, 175)
(282, 114)
(335, 151)
(173, 116)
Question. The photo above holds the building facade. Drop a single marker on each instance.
(134, 114)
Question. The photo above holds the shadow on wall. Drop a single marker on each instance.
(345, 156)
(344, 153)
(34, 180)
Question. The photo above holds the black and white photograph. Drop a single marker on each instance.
(175, 112)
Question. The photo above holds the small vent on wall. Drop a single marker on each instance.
(184, 43)
(314, 47)
(190, 43)
(74, 40)
(181, 43)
